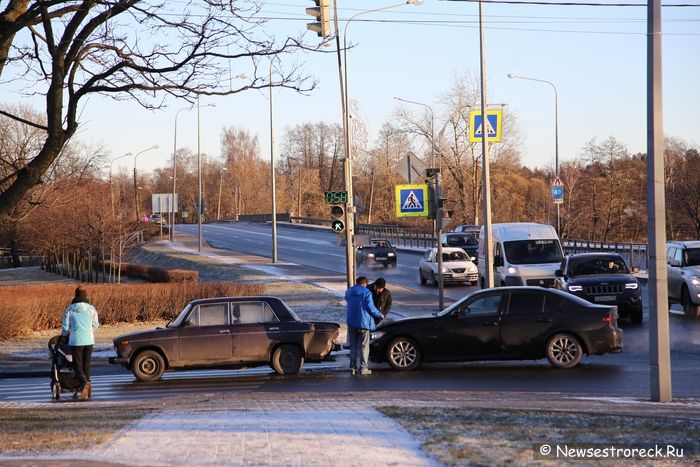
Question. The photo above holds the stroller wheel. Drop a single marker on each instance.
(56, 390)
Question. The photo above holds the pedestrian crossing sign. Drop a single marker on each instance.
(412, 200)
(494, 125)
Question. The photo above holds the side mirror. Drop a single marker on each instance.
(497, 261)
(559, 273)
(635, 270)
(472, 258)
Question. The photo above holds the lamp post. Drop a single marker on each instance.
(437, 222)
(199, 179)
(136, 189)
(350, 205)
(221, 180)
(111, 191)
(272, 176)
(173, 207)
(556, 133)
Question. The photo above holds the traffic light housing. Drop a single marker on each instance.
(321, 12)
(337, 211)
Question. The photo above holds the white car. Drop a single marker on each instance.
(456, 266)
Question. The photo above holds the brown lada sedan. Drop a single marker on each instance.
(227, 332)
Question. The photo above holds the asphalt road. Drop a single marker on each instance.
(626, 373)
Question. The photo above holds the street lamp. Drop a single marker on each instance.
(173, 206)
(136, 189)
(556, 133)
(199, 178)
(221, 180)
(273, 195)
(111, 191)
(437, 222)
(350, 208)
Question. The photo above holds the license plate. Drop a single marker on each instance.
(605, 298)
(380, 258)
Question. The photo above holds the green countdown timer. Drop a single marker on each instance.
(336, 197)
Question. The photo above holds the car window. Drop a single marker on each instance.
(209, 314)
(533, 251)
(484, 306)
(553, 304)
(253, 312)
(454, 256)
(692, 257)
(525, 303)
(600, 265)
(426, 255)
(678, 256)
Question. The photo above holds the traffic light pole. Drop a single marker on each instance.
(438, 222)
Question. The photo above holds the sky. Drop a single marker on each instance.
(594, 56)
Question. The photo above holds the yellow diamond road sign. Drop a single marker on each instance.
(412, 200)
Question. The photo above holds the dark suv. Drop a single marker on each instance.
(684, 276)
(602, 278)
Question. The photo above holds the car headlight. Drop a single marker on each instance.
(370, 255)
(512, 270)
(575, 288)
(377, 335)
(445, 269)
(695, 280)
(632, 286)
(391, 254)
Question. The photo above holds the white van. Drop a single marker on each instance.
(523, 254)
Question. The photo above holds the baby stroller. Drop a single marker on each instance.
(62, 376)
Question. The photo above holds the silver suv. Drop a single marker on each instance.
(684, 276)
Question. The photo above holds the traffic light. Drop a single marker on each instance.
(337, 211)
(432, 205)
(321, 12)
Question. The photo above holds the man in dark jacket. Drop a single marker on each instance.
(381, 296)
(360, 320)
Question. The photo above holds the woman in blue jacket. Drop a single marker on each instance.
(79, 323)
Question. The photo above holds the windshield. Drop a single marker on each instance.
(461, 240)
(533, 251)
(599, 265)
(692, 257)
(180, 318)
(382, 244)
(454, 256)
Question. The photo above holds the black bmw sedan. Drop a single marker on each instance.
(505, 323)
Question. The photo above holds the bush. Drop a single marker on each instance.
(154, 274)
(28, 308)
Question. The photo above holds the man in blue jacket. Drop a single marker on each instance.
(360, 320)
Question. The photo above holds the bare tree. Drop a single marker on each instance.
(67, 50)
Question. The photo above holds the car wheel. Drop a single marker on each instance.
(148, 366)
(403, 354)
(564, 351)
(287, 360)
(56, 390)
(636, 317)
(690, 310)
(422, 278)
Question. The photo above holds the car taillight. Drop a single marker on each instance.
(608, 319)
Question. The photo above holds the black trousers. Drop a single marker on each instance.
(82, 359)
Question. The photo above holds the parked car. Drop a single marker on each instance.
(505, 323)
(156, 219)
(378, 252)
(457, 267)
(227, 332)
(602, 278)
(684, 276)
(468, 228)
(466, 241)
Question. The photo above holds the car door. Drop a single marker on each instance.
(205, 337)
(675, 272)
(255, 329)
(527, 322)
(471, 332)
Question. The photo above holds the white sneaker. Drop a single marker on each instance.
(365, 371)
